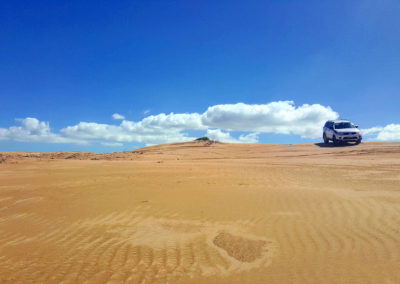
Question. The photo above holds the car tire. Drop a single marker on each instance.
(326, 140)
(335, 142)
(358, 141)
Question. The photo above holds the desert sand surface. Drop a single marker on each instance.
(201, 212)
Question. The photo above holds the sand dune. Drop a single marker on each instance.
(202, 213)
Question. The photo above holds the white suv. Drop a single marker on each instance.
(341, 131)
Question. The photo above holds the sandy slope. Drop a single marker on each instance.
(192, 212)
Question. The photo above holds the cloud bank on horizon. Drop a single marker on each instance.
(217, 122)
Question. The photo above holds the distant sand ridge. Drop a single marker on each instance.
(202, 212)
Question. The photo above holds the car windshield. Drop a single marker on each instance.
(342, 125)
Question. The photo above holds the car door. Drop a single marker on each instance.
(330, 130)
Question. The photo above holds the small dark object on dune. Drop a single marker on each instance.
(207, 141)
(203, 139)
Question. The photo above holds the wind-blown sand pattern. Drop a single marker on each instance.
(202, 213)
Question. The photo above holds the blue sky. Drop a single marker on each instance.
(71, 63)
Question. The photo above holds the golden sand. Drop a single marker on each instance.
(202, 213)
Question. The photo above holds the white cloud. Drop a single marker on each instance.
(221, 136)
(147, 111)
(154, 129)
(249, 138)
(218, 121)
(128, 131)
(112, 144)
(33, 130)
(281, 117)
(118, 116)
(390, 132)
(371, 131)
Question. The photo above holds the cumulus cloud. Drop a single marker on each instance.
(249, 138)
(390, 132)
(221, 136)
(118, 116)
(371, 131)
(218, 122)
(112, 144)
(277, 117)
(167, 122)
(33, 130)
(281, 117)
(154, 129)
(127, 131)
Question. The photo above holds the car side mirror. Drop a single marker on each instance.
(356, 126)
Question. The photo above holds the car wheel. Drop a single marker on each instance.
(335, 142)
(358, 141)
(326, 140)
